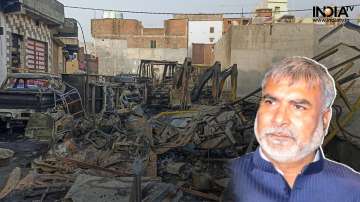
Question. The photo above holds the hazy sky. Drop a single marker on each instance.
(182, 6)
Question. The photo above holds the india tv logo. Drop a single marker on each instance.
(331, 13)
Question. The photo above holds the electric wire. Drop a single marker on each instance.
(183, 13)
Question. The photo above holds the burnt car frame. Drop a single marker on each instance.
(22, 94)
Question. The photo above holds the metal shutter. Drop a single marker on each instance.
(36, 55)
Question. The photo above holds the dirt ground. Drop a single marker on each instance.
(25, 151)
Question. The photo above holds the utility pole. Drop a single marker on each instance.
(87, 68)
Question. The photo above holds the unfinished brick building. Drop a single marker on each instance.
(121, 43)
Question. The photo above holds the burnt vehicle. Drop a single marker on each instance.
(126, 79)
(22, 94)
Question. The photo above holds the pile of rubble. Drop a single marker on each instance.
(123, 156)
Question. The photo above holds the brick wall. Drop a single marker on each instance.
(228, 22)
(176, 27)
(112, 28)
(176, 42)
(154, 31)
(197, 17)
(119, 52)
(173, 35)
(161, 41)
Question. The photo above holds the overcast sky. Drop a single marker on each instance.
(181, 6)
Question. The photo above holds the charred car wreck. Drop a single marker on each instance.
(23, 94)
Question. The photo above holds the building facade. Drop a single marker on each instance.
(3, 69)
(27, 29)
(68, 36)
(229, 22)
(202, 29)
(278, 7)
(254, 48)
(120, 44)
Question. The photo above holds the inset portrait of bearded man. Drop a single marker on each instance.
(292, 120)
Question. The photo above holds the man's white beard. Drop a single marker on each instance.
(297, 151)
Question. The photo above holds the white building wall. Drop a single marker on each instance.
(282, 5)
(199, 32)
(115, 57)
(3, 69)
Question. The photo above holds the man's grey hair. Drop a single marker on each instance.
(303, 68)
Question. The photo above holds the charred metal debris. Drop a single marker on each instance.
(145, 137)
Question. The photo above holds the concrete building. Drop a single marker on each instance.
(26, 37)
(120, 44)
(3, 69)
(228, 22)
(58, 59)
(263, 16)
(278, 7)
(68, 35)
(112, 14)
(255, 47)
(202, 29)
